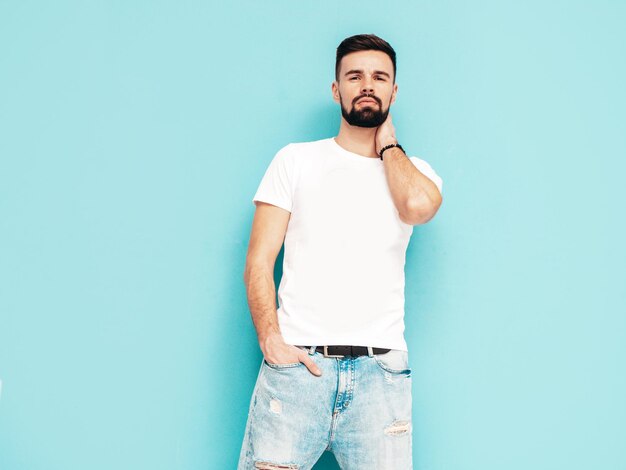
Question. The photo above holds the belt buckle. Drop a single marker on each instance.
(330, 355)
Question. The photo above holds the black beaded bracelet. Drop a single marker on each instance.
(388, 147)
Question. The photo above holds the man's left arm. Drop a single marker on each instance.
(414, 194)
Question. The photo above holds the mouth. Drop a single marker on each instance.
(367, 101)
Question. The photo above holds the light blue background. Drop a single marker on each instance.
(133, 137)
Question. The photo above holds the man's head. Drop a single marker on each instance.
(365, 76)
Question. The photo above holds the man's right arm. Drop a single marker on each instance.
(268, 233)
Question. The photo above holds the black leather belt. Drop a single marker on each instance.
(341, 351)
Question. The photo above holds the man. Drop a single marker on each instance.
(335, 374)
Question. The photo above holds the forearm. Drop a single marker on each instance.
(415, 196)
(261, 293)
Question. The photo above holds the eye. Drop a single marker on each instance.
(353, 77)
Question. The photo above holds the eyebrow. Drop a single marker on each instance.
(379, 72)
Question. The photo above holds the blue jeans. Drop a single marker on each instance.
(359, 409)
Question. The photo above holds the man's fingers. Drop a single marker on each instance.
(312, 366)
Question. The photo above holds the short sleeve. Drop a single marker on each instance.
(424, 167)
(276, 186)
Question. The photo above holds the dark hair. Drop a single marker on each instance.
(364, 42)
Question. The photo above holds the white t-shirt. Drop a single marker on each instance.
(345, 246)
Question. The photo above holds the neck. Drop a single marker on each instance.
(359, 140)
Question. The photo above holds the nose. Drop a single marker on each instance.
(368, 88)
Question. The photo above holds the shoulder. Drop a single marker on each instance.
(299, 150)
(306, 146)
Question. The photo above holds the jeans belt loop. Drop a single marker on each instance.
(312, 350)
(370, 351)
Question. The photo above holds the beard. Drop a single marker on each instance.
(365, 116)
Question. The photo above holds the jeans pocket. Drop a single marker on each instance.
(395, 361)
(282, 366)
(285, 366)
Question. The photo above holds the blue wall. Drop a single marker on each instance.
(133, 137)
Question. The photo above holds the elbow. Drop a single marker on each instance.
(419, 212)
(247, 273)
(246, 276)
(255, 268)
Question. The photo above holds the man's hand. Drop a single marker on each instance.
(385, 134)
(276, 351)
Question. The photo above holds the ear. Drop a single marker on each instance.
(335, 90)
(393, 93)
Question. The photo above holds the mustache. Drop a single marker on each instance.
(367, 96)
